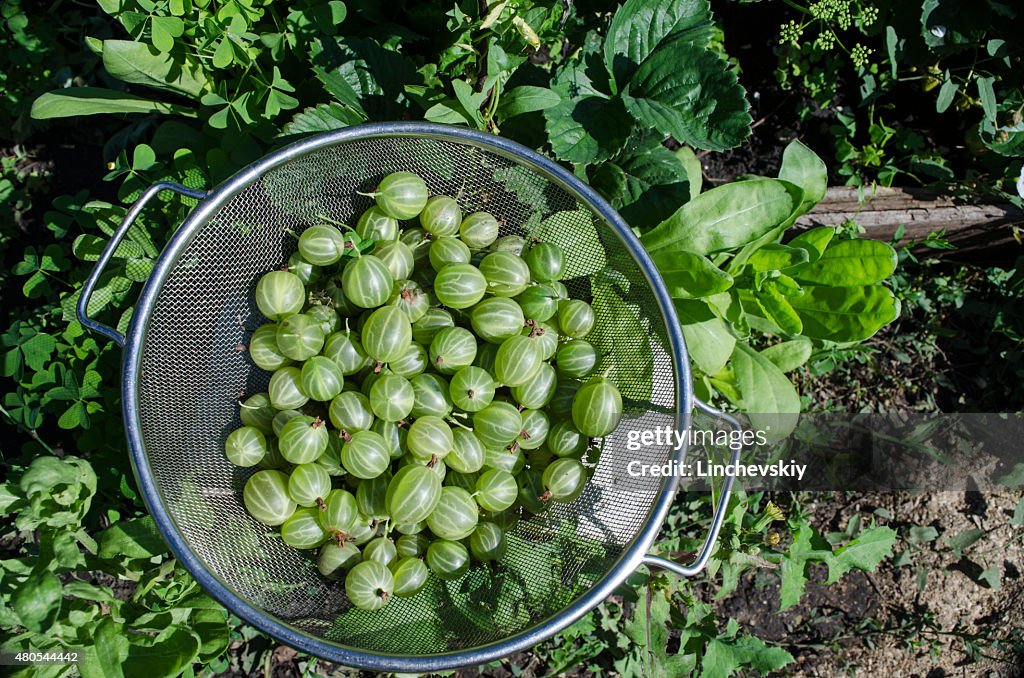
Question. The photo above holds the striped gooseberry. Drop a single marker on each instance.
(299, 336)
(517, 361)
(401, 195)
(245, 446)
(302, 530)
(471, 389)
(452, 349)
(321, 378)
(455, 516)
(412, 494)
(496, 319)
(506, 273)
(460, 285)
(280, 293)
(285, 389)
(266, 497)
(264, 351)
(575, 317)
(447, 560)
(350, 411)
(386, 334)
(479, 230)
(377, 225)
(496, 490)
(309, 484)
(597, 407)
(322, 245)
(488, 541)
(366, 281)
(410, 574)
(392, 397)
(365, 454)
(369, 585)
(441, 216)
(303, 439)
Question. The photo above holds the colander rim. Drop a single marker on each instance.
(207, 208)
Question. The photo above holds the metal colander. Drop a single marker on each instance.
(184, 375)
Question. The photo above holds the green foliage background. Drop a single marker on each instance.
(193, 90)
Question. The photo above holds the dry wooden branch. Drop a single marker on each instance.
(972, 228)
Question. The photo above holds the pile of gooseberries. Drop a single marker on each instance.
(430, 384)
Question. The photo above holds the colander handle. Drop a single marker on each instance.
(718, 518)
(90, 285)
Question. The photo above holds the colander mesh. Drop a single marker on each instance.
(192, 374)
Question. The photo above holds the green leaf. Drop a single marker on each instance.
(725, 217)
(964, 540)
(946, 94)
(814, 241)
(646, 187)
(708, 340)
(920, 534)
(164, 30)
(694, 170)
(991, 577)
(765, 392)
(987, 95)
(845, 314)
(115, 653)
(794, 565)
(648, 628)
(723, 657)
(322, 118)
(803, 167)
(526, 99)
(585, 128)
(75, 101)
(690, 276)
(624, 339)
(587, 256)
(640, 26)
(37, 601)
(1013, 479)
(863, 553)
(470, 100)
(140, 64)
(448, 112)
(777, 308)
(849, 263)
(131, 539)
(375, 75)
(775, 257)
(691, 94)
(789, 355)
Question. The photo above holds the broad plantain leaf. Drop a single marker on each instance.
(708, 340)
(789, 355)
(725, 217)
(848, 263)
(141, 64)
(845, 314)
(690, 276)
(803, 167)
(74, 101)
(765, 392)
(526, 99)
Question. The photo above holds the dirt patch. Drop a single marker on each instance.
(929, 613)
